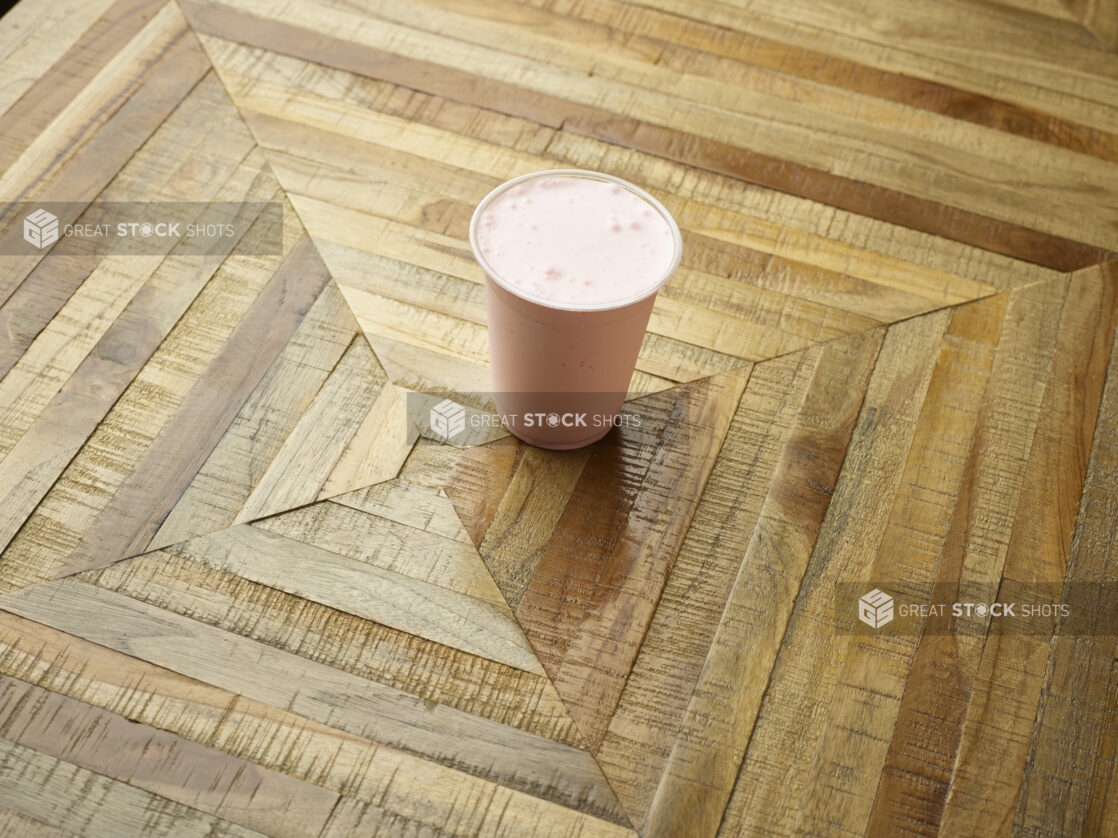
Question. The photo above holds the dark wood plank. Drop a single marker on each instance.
(994, 746)
(46, 289)
(591, 579)
(670, 143)
(1071, 768)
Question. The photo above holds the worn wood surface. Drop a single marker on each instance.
(239, 597)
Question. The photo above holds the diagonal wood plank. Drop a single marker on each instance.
(1070, 771)
(373, 781)
(914, 532)
(88, 144)
(605, 103)
(407, 662)
(416, 292)
(267, 802)
(211, 405)
(149, 399)
(937, 379)
(392, 599)
(585, 585)
(698, 774)
(282, 618)
(35, 781)
(1101, 19)
(187, 588)
(1011, 450)
(467, 743)
(33, 36)
(389, 545)
(1011, 670)
(48, 93)
(774, 431)
(411, 502)
(246, 70)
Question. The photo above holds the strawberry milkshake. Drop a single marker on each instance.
(573, 260)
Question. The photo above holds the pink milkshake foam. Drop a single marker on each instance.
(573, 260)
(575, 242)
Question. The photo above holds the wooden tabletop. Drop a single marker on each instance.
(238, 597)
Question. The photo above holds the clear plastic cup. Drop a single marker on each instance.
(552, 363)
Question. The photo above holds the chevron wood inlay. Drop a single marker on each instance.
(242, 594)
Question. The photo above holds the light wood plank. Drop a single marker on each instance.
(246, 69)
(922, 756)
(661, 683)
(866, 152)
(132, 517)
(241, 459)
(388, 545)
(411, 504)
(411, 791)
(84, 802)
(1012, 669)
(407, 662)
(86, 115)
(379, 446)
(1070, 770)
(322, 435)
(868, 695)
(779, 762)
(77, 403)
(782, 100)
(327, 113)
(45, 74)
(468, 743)
(429, 464)
(461, 622)
(1043, 69)
(161, 763)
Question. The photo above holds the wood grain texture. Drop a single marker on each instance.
(467, 641)
(1011, 670)
(96, 805)
(605, 104)
(421, 306)
(374, 781)
(1100, 18)
(1070, 773)
(911, 776)
(239, 597)
(468, 743)
(712, 735)
(136, 386)
(186, 772)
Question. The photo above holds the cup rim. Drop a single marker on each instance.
(677, 240)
